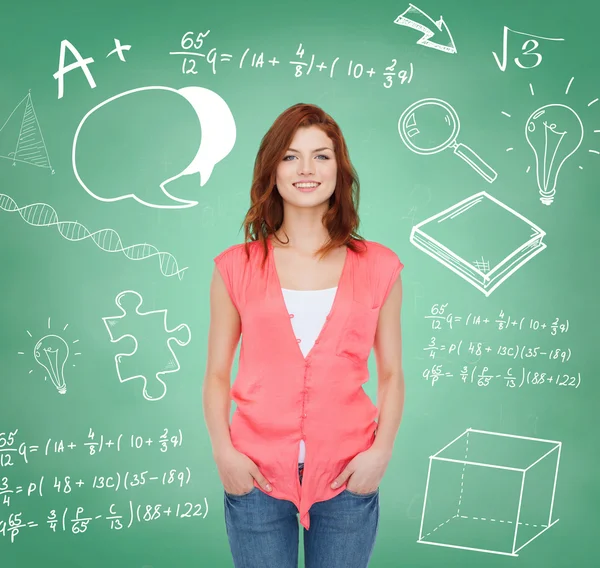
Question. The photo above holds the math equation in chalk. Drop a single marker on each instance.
(193, 50)
(481, 354)
(76, 521)
(23, 481)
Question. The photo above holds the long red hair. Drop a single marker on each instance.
(265, 215)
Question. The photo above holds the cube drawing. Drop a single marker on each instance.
(490, 492)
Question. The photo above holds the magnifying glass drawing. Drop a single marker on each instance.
(432, 125)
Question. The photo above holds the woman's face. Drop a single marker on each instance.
(309, 159)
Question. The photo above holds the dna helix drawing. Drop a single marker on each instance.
(108, 240)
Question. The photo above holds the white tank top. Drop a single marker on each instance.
(310, 309)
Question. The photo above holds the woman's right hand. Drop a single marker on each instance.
(238, 472)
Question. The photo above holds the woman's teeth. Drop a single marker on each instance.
(306, 186)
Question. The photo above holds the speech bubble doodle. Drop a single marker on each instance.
(218, 138)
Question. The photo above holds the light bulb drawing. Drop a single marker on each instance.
(52, 353)
(554, 133)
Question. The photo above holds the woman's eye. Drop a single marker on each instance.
(318, 156)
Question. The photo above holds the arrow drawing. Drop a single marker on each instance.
(416, 19)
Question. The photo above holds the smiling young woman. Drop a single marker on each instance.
(305, 444)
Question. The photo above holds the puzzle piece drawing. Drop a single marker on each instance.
(120, 327)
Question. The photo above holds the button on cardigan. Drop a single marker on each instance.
(308, 310)
(283, 397)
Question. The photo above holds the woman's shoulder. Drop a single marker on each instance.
(233, 249)
(237, 252)
(381, 259)
(379, 251)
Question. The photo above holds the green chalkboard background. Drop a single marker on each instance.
(526, 381)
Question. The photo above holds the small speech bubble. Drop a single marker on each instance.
(218, 138)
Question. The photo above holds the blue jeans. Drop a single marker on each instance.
(263, 532)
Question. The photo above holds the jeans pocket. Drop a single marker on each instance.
(364, 495)
(236, 496)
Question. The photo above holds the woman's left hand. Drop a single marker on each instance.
(364, 471)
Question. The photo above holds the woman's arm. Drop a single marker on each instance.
(223, 337)
(390, 376)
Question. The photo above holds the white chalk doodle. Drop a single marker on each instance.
(52, 352)
(218, 138)
(28, 143)
(481, 239)
(113, 324)
(490, 492)
(528, 48)
(108, 240)
(416, 19)
(431, 125)
(119, 49)
(554, 133)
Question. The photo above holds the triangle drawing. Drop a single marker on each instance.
(21, 138)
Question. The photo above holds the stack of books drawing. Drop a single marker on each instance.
(480, 239)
